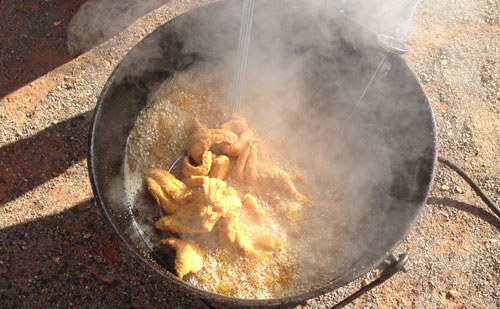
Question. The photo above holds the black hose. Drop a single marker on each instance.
(473, 185)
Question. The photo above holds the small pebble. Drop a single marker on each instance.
(56, 23)
(364, 282)
(452, 294)
(87, 236)
(458, 189)
(445, 187)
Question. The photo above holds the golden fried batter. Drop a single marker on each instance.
(211, 165)
(220, 167)
(256, 212)
(199, 212)
(188, 256)
(232, 232)
(238, 125)
(223, 197)
(204, 199)
(194, 216)
(254, 167)
(243, 241)
(200, 170)
(204, 138)
(165, 189)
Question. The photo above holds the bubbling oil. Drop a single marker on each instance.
(306, 236)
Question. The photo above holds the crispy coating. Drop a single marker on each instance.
(232, 232)
(223, 197)
(228, 229)
(255, 168)
(204, 138)
(200, 170)
(239, 126)
(188, 256)
(204, 200)
(211, 165)
(165, 189)
(226, 202)
(243, 241)
(199, 212)
(220, 167)
(195, 216)
(256, 211)
(189, 170)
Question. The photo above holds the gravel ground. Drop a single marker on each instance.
(57, 250)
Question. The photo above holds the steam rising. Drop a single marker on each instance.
(305, 70)
(98, 20)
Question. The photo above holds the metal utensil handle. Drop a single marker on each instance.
(388, 272)
(242, 55)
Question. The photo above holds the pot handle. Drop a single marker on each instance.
(391, 269)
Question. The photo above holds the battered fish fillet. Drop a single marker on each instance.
(165, 189)
(199, 212)
(220, 167)
(189, 170)
(223, 197)
(254, 167)
(256, 212)
(188, 256)
(225, 201)
(232, 232)
(239, 126)
(199, 170)
(195, 216)
(212, 165)
(204, 138)
(243, 241)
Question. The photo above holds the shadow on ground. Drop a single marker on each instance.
(32, 39)
(74, 259)
(38, 36)
(472, 209)
(27, 163)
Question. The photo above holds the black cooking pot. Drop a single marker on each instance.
(336, 59)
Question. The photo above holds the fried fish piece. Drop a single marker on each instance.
(214, 166)
(204, 138)
(165, 189)
(255, 168)
(188, 256)
(243, 241)
(256, 211)
(199, 212)
(232, 232)
(239, 126)
(189, 170)
(223, 197)
(202, 169)
(224, 200)
(220, 167)
(196, 216)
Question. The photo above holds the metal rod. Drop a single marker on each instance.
(242, 55)
(363, 94)
(391, 270)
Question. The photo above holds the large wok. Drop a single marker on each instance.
(395, 109)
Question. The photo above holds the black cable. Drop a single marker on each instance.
(473, 185)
